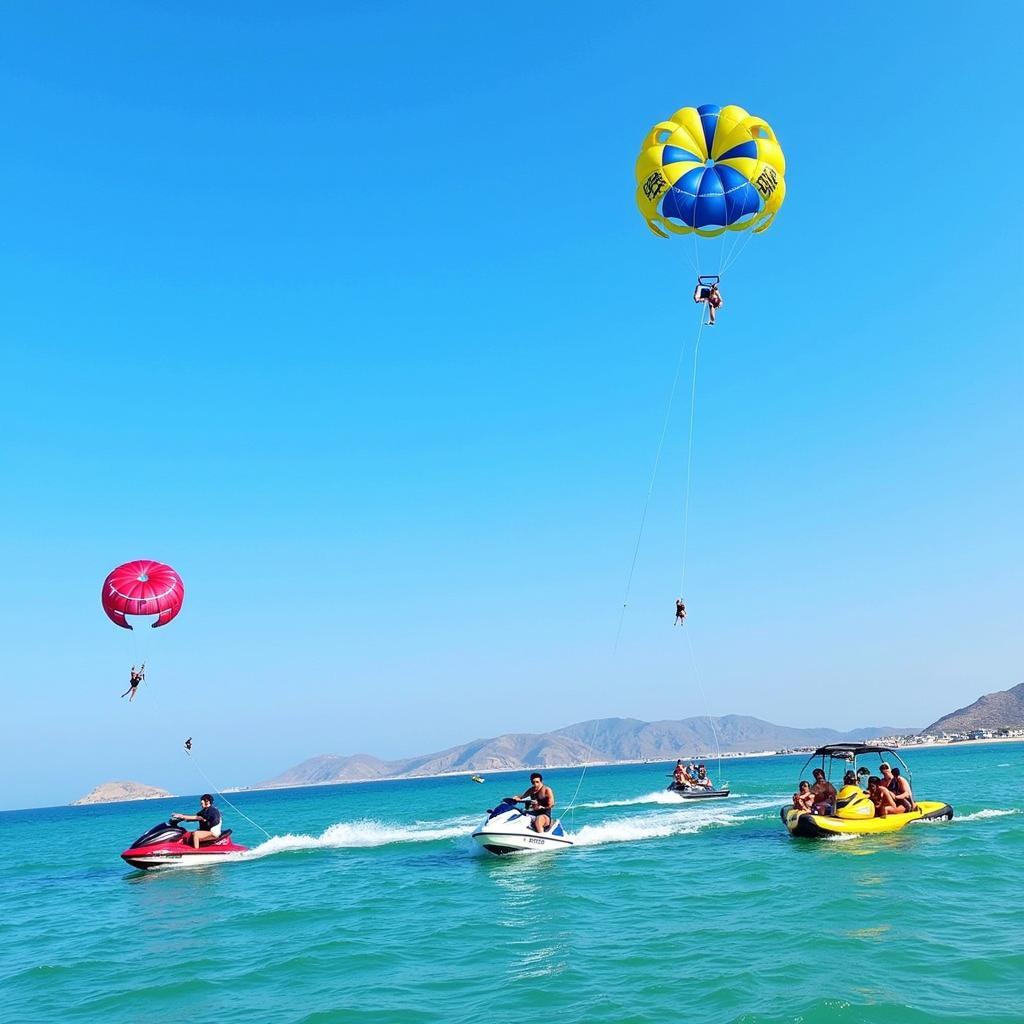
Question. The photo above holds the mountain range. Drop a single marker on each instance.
(1003, 709)
(606, 739)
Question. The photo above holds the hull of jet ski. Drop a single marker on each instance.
(165, 846)
(697, 792)
(508, 830)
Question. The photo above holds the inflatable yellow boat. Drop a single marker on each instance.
(854, 811)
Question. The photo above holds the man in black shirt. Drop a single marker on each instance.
(208, 818)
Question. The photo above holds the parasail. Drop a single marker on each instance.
(142, 587)
(710, 169)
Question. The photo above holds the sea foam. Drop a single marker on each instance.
(361, 834)
(988, 812)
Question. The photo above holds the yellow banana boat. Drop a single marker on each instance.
(854, 812)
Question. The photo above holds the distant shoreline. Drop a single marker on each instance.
(468, 772)
(704, 758)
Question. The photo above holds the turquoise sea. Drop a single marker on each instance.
(372, 905)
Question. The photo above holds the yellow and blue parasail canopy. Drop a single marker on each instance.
(710, 169)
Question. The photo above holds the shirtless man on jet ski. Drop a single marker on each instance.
(540, 802)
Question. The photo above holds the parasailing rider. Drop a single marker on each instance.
(133, 682)
(709, 294)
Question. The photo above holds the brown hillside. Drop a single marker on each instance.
(1001, 710)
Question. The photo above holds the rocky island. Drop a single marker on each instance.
(115, 792)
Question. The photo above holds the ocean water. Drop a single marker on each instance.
(370, 904)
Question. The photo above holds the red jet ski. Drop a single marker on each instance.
(168, 845)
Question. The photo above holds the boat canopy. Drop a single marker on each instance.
(848, 751)
(832, 752)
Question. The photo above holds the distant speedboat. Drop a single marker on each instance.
(168, 845)
(855, 812)
(478, 778)
(510, 830)
(685, 792)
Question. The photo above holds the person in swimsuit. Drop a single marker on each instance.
(209, 821)
(540, 802)
(850, 779)
(883, 800)
(702, 778)
(824, 793)
(680, 776)
(803, 798)
(900, 789)
(133, 682)
(712, 297)
(680, 612)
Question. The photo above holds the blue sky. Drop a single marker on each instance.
(346, 312)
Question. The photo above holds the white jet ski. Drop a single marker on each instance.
(510, 830)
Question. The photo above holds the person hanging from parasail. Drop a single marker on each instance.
(133, 682)
(143, 588)
(680, 612)
(709, 294)
(705, 171)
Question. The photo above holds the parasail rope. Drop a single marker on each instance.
(650, 486)
(689, 452)
(742, 240)
(210, 783)
(707, 706)
(686, 536)
(646, 507)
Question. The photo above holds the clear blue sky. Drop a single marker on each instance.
(346, 312)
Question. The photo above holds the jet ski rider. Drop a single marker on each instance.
(540, 802)
(209, 821)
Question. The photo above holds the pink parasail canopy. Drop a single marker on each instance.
(143, 587)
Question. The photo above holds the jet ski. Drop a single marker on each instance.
(681, 789)
(854, 811)
(510, 830)
(168, 845)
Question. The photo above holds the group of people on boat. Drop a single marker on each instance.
(888, 791)
(691, 775)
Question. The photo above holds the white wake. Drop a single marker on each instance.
(659, 796)
(988, 812)
(360, 835)
(659, 825)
